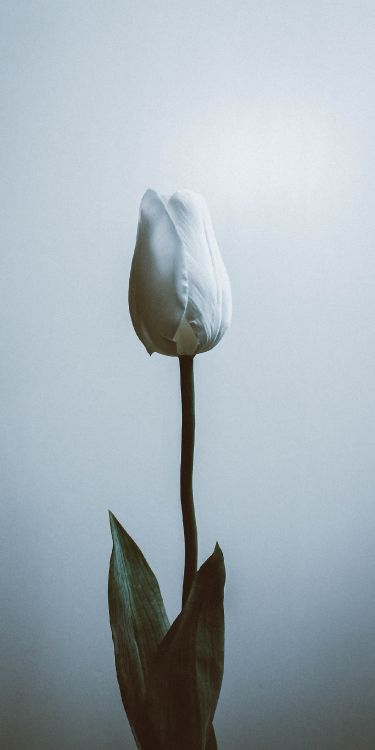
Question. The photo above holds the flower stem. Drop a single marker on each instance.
(186, 476)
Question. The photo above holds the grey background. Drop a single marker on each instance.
(267, 108)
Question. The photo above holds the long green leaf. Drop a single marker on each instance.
(184, 683)
(138, 622)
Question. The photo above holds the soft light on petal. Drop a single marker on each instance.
(185, 338)
(158, 287)
(179, 291)
(209, 301)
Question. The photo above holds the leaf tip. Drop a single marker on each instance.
(218, 551)
(114, 524)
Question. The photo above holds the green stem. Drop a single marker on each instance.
(186, 476)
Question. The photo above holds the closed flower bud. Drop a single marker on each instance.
(179, 292)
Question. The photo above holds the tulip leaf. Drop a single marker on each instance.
(211, 742)
(184, 683)
(138, 622)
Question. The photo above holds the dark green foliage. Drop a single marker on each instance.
(138, 620)
(169, 679)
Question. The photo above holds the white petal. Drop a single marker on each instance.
(185, 338)
(209, 303)
(158, 287)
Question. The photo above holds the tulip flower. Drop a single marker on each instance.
(170, 676)
(179, 292)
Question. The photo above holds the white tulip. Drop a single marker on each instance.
(179, 292)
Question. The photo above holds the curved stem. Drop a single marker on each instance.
(186, 476)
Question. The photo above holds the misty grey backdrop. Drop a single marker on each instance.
(267, 108)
